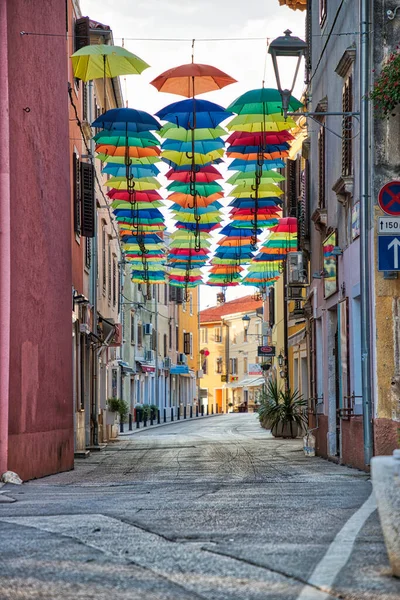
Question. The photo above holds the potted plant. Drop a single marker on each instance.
(386, 92)
(282, 411)
(119, 406)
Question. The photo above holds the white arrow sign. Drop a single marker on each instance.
(395, 245)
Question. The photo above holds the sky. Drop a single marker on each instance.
(139, 25)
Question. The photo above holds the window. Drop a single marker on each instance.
(347, 144)
(153, 339)
(186, 343)
(234, 336)
(204, 335)
(77, 192)
(132, 328)
(233, 366)
(140, 334)
(170, 335)
(184, 305)
(88, 252)
(245, 364)
(103, 256)
(218, 365)
(114, 281)
(165, 294)
(271, 306)
(191, 345)
(323, 7)
(109, 269)
(205, 366)
(177, 338)
(88, 209)
(245, 338)
(218, 335)
(321, 168)
(191, 304)
(165, 345)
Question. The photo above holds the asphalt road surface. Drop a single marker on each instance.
(215, 509)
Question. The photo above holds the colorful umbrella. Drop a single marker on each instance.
(191, 79)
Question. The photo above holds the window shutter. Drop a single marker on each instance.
(82, 33)
(77, 193)
(88, 203)
(291, 187)
(186, 343)
(303, 207)
(179, 295)
(309, 41)
(172, 293)
(347, 149)
(271, 303)
(140, 334)
(321, 168)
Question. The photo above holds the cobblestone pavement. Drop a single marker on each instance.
(215, 509)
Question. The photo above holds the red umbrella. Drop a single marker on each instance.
(238, 138)
(201, 176)
(286, 225)
(148, 196)
(191, 79)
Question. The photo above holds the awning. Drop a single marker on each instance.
(252, 382)
(126, 367)
(179, 370)
(145, 367)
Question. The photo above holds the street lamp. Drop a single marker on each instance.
(286, 46)
(246, 323)
(281, 359)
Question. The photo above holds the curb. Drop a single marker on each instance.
(175, 422)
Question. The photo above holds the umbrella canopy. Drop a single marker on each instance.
(134, 151)
(123, 138)
(262, 137)
(262, 101)
(174, 158)
(268, 176)
(202, 189)
(203, 175)
(186, 200)
(137, 196)
(121, 160)
(251, 166)
(135, 171)
(172, 132)
(258, 123)
(100, 60)
(191, 79)
(126, 119)
(194, 113)
(200, 146)
(121, 183)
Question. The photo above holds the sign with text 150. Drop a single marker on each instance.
(388, 225)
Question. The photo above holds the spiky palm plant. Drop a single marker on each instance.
(282, 409)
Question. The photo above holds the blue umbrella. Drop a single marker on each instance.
(262, 203)
(254, 149)
(246, 166)
(137, 171)
(201, 147)
(141, 135)
(201, 210)
(128, 119)
(191, 113)
(231, 230)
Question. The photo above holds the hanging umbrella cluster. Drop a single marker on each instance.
(258, 145)
(129, 151)
(192, 145)
(267, 265)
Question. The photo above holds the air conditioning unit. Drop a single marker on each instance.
(182, 359)
(148, 329)
(295, 293)
(297, 271)
(167, 363)
(149, 355)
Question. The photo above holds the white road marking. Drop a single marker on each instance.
(337, 554)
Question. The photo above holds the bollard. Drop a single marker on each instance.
(191, 412)
(216, 409)
(197, 411)
(151, 418)
(208, 410)
(137, 420)
(178, 413)
(202, 410)
(172, 413)
(184, 412)
(130, 422)
(144, 420)
(165, 415)
(212, 409)
(158, 416)
(121, 427)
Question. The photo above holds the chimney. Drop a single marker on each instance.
(220, 298)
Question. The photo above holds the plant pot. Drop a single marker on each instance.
(286, 430)
(385, 471)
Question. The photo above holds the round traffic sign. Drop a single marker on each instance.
(389, 198)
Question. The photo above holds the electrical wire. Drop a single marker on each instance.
(327, 40)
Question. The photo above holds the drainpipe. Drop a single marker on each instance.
(93, 291)
(366, 371)
(5, 241)
(156, 349)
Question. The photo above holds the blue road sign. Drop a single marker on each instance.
(388, 253)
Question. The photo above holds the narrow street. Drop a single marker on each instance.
(215, 509)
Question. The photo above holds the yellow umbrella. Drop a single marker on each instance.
(99, 60)
(121, 183)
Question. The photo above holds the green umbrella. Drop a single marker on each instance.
(172, 132)
(100, 60)
(267, 176)
(145, 160)
(264, 101)
(203, 189)
(106, 137)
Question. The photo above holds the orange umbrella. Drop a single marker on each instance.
(191, 79)
(186, 200)
(267, 155)
(134, 151)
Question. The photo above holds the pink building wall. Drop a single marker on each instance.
(35, 280)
